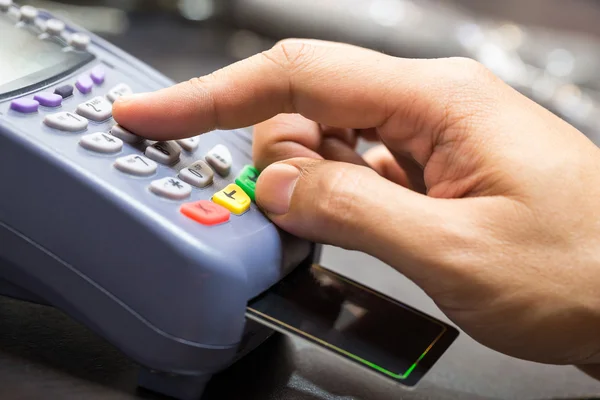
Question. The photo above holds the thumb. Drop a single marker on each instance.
(353, 207)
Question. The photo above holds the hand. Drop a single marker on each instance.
(486, 200)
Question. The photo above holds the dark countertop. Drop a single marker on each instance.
(43, 354)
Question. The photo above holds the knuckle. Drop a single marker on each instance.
(467, 95)
(201, 89)
(289, 54)
(339, 190)
(467, 70)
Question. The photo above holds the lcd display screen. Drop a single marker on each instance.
(26, 59)
(356, 322)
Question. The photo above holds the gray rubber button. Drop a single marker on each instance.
(198, 174)
(121, 89)
(28, 13)
(189, 144)
(124, 134)
(79, 41)
(220, 159)
(66, 121)
(54, 27)
(166, 153)
(171, 188)
(101, 142)
(136, 165)
(96, 109)
(5, 5)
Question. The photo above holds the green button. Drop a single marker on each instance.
(247, 180)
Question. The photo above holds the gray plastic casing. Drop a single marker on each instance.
(80, 235)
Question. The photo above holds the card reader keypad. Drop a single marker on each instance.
(66, 121)
(171, 188)
(48, 99)
(120, 90)
(124, 134)
(101, 142)
(198, 174)
(136, 165)
(97, 109)
(166, 153)
(211, 164)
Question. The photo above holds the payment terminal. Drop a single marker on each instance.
(159, 247)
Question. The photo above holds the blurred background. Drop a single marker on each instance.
(547, 49)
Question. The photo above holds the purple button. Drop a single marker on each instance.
(84, 84)
(98, 74)
(48, 99)
(24, 105)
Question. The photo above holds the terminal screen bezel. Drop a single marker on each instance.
(72, 61)
(44, 77)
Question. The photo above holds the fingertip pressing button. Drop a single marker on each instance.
(220, 159)
(198, 174)
(171, 188)
(136, 165)
(124, 134)
(84, 84)
(233, 198)
(205, 212)
(25, 106)
(48, 99)
(101, 142)
(166, 153)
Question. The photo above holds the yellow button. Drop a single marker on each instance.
(233, 198)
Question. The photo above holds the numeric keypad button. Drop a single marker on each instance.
(80, 41)
(136, 165)
(54, 27)
(189, 144)
(124, 134)
(121, 89)
(205, 212)
(5, 5)
(101, 142)
(171, 188)
(233, 198)
(166, 153)
(97, 109)
(66, 121)
(220, 159)
(198, 174)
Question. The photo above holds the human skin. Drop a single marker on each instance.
(486, 200)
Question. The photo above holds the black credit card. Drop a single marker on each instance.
(356, 322)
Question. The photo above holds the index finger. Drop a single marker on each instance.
(294, 76)
(336, 85)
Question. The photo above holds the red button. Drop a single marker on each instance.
(206, 212)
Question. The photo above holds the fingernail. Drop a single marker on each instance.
(275, 188)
